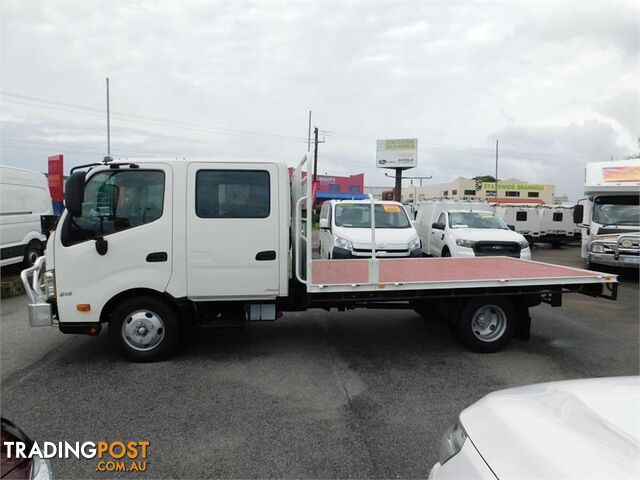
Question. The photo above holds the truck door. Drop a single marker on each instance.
(437, 236)
(129, 209)
(232, 231)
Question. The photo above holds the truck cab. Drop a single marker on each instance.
(155, 235)
(610, 215)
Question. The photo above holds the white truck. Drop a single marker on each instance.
(556, 224)
(610, 215)
(24, 198)
(462, 228)
(523, 218)
(154, 247)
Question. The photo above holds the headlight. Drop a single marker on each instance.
(49, 284)
(414, 243)
(342, 243)
(626, 243)
(523, 244)
(597, 248)
(465, 243)
(452, 442)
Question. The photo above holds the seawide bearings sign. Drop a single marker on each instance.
(397, 153)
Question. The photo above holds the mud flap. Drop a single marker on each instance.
(523, 326)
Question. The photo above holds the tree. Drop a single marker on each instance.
(485, 178)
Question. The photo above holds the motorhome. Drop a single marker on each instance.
(461, 228)
(610, 215)
(345, 230)
(24, 198)
(154, 247)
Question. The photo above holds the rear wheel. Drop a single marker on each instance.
(31, 254)
(486, 325)
(144, 329)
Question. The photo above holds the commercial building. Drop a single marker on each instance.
(331, 187)
(509, 191)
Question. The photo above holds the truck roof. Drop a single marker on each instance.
(615, 176)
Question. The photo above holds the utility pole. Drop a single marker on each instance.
(108, 122)
(496, 170)
(309, 134)
(315, 154)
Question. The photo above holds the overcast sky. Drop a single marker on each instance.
(558, 83)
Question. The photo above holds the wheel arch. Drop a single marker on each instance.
(182, 306)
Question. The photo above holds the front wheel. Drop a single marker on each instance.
(31, 254)
(486, 325)
(144, 329)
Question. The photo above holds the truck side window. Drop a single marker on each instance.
(115, 201)
(521, 216)
(442, 219)
(232, 194)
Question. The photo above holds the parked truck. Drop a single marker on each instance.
(153, 248)
(610, 215)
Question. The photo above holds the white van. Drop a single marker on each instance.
(450, 228)
(24, 197)
(345, 230)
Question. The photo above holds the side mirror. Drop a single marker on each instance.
(578, 213)
(324, 224)
(512, 227)
(74, 193)
(437, 226)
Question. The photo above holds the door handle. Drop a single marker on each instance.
(266, 255)
(157, 257)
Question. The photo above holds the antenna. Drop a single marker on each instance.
(108, 157)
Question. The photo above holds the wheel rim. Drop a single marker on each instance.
(143, 330)
(32, 256)
(489, 323)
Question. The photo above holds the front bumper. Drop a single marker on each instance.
(344, 253)
(40, 311)
(608, 259)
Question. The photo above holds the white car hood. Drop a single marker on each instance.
(385, 237)
(576, 429)
(497, 235)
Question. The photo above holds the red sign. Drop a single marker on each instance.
(56, 177)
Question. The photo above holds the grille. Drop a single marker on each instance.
(487, 249)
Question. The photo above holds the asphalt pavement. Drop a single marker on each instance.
(365, 393)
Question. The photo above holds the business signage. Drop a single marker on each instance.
(397, 153)
(525, 187)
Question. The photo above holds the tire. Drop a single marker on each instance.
(486, 325)
(32, 252)
(144, 329)
(446, 252)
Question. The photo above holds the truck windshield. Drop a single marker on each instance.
(475, 220)
(358, 215)
(617, 210)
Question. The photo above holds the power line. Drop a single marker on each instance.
(143, 119)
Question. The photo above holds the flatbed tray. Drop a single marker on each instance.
(436, 273)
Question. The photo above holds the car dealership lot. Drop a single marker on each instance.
(366, 393)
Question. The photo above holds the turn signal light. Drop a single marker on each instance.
(83, 307)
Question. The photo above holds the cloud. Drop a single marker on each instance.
(556, 83)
